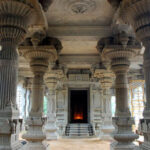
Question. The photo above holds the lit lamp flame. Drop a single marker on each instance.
(78, 116)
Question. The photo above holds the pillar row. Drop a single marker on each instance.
(119, 49)
(39, 54)
(13, 27)
(139, 11)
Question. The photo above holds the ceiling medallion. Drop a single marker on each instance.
(82, 6)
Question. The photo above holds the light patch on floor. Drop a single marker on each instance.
(79, 144)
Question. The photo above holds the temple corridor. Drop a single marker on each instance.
(75, 74)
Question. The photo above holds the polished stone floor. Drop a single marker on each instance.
(79, 144)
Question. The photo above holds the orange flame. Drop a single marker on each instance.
(78, 116)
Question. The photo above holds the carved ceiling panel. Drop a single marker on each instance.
(80, 12)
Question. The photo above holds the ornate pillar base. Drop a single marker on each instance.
(35, 134)
(51, 129)
(118, 146)
(123, 134)
(145, 146)
(9, 129)
(144, 127)
(9, 135)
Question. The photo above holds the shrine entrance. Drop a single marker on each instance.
(78, 106)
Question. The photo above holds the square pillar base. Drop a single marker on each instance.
(123, 146)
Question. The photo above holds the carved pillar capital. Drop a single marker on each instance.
(119, 49)
(139, 18)
(14, 23)
(40, 53)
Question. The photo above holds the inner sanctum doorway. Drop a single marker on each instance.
(79, 106)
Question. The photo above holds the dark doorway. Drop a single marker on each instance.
(78, 106)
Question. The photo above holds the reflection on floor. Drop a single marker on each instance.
(79, 144)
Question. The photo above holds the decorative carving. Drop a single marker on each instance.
(81, 6)
(79, 77)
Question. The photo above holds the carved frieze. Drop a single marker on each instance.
(79, 77)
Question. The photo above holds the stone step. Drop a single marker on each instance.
(78, 130)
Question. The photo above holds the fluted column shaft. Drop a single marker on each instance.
(8, 76)
(8, 84)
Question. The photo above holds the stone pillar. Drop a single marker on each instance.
(13, 27)
(119, 49)
(61, 106)
(139, 10)
(39, 51)
(106, 79)
(50, 127)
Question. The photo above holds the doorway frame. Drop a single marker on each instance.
(88, 102)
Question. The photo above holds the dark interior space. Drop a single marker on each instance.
(79, 106)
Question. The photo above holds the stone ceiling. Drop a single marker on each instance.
(79, 24)
(80, 13)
